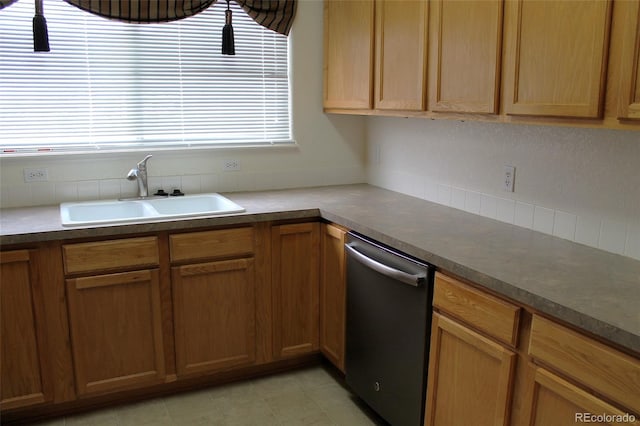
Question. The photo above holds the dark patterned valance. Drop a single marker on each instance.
(277, 15)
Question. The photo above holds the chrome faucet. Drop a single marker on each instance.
(140, 173)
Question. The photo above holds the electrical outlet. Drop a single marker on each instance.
(36, 175)
(508, 178)
(231, 165)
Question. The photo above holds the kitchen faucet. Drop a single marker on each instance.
(140, 173)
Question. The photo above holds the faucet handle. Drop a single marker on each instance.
(143, 164)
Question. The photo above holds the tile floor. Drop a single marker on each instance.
(310, 396)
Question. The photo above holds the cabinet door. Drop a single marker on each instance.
(556, 57)
(22, 378)
(401, 54)
(116, 331)
(333, 294)
(470, 377)
(348, 53)
(465, 42)
(556, 402)
(214, 312)
(629, 106)
(295, 279)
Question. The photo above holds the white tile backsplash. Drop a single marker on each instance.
(564, 225)
(588, 230)
(506, 210)
(523, 215)
(613, 236)
(543, 219)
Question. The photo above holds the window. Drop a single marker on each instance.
(109, 85)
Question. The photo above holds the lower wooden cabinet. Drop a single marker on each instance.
(295, 272)
(116, 331)
(214, 309)
(333, 294)
(23, 375)
(556, 402)
(470, 377)
(493, 362)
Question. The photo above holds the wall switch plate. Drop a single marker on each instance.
(508, 178)
(231, 165)
(36, 175)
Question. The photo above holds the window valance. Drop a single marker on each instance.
(276, 15)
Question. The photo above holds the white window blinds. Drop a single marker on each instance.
(108, 85)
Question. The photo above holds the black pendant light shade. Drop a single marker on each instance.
(40, 33)
(228, 45)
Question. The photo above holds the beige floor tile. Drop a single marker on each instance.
(250, 414)
(328, 394)
(105, 417)
(293, 407)
(152, 412)
(239, 391)
(190, 405)
(314, 377)
(276, 385)
(348, 413)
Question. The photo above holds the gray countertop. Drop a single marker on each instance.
(589, 288)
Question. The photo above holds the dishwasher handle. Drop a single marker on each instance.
(396, 274)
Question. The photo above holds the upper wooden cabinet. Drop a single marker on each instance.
(401, 49)
(629, 101)
(465, 45)
(556, 57)
(348, 53)
(23, 375)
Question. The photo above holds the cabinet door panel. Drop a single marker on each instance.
(333, 294)
(470, 377)
(630, 80)
(21, 377)
(556, 402)
(116, 331)
(465, 50)
(557, 57)
(401, 45)
(295, 279)
(214, 307)
(348, 53)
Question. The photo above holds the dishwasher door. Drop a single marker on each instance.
(388, 324)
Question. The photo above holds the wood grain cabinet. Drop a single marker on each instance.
(333, 293)
(576, 374)
(465, 45)
(556, 55)
(214, 302)
(348, 53)
(24, 379)
(471, 371)
(115, 318)
(401, 54)
(629, 101)
(295, 278)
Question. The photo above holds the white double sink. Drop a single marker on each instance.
(116, 211)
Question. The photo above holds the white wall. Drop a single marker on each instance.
(578, 184)
(330, 148)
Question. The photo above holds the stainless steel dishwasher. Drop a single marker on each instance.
(388, 323)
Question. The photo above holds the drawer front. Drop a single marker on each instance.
(482, 311)
(599, 367)
(212, 244)
(109, 255)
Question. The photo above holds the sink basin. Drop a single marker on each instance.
(115, 211)
(191, 205)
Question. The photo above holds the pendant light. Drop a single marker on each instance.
(40, 33)
(228, 45)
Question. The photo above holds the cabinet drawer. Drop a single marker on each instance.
(113, 254)
(212, 244)
(599, 367)
(486, 313)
